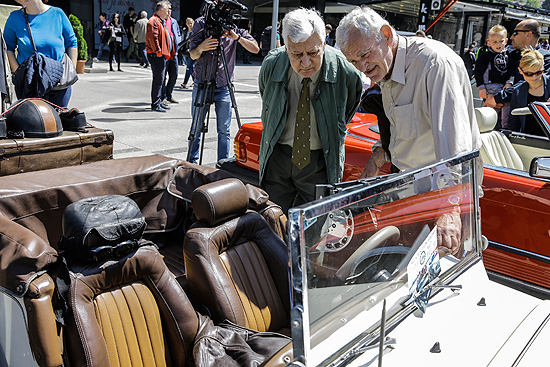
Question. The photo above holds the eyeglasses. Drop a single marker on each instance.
(536, 73)
(516, 31)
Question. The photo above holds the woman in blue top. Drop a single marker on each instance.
(53, 36)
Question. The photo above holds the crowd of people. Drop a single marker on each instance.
(156, 42)
(395, 69)
(424, 114)
(511, 76)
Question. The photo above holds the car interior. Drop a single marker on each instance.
(510, 149)
(221, 261)
(496, 149)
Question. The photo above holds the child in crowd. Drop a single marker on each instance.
(491, 69)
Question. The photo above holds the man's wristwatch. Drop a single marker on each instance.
(238, 38)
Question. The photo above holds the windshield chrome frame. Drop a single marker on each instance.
(299, 313)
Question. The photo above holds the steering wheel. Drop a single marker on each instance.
(389, 233)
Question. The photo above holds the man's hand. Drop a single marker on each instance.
(250, 46)
(449, 228)
(483, 93)
(376, 160)
(490, 102)
(231, 34)
(507, 85)
(208, 44)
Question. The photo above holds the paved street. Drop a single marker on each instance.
(120, 101)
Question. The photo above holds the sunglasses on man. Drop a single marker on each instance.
(516, 31)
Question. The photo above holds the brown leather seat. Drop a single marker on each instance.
(24, 258)
(129, 312)
(274, 216)
(236, 264)
(258, 200)
(45, 334)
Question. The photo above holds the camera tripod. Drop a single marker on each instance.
(205, 98)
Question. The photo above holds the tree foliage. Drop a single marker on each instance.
(533, 3)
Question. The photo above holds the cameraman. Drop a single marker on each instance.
(202, 49)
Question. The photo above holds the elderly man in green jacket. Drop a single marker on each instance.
(309, 93)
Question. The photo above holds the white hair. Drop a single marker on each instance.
(143, 14)
(300, 24)
(362, 19)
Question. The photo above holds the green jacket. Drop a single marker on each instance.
(335, 102)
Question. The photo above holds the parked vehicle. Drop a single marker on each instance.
(360, 265)
(515, 202)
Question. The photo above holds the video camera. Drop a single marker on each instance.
(218, 16)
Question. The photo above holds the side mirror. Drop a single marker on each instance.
(484, 243)
(540, 167)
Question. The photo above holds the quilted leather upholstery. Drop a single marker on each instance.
(239, 271)
(123, 314)
(130, 312)
(254, 286)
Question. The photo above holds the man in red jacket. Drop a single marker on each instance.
(159, 49)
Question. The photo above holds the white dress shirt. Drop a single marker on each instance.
(428, 100)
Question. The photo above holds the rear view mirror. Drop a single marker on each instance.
(540, 167)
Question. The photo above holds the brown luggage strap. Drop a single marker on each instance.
(57, 108)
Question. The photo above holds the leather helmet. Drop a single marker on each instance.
(33, 118)
(101, 227)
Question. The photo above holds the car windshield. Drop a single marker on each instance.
(399, 238)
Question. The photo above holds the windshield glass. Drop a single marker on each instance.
(395, 238)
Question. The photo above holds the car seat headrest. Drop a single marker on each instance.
(220, 201)
(486, 119)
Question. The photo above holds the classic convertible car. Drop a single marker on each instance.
(515, 202)
(213, 283)
(125, 306)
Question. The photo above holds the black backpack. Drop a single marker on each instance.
(266, 40)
